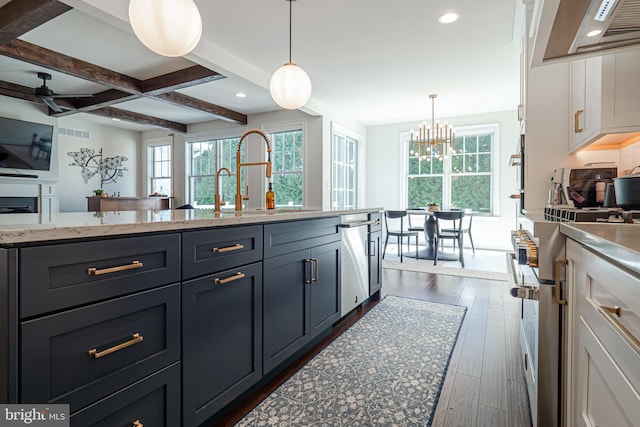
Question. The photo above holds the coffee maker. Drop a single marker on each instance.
(586, 185)
(559, 196)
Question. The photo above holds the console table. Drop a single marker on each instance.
(101, 204)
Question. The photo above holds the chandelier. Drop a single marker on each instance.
(432, 141)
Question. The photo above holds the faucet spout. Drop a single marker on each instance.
(239, 164)
(218, 201)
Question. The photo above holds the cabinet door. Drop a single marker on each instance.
(375, 266)
(285, 304)
(222, 347)
(325, 290)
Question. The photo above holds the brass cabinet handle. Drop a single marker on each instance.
(135, 339)
(610, 313)
(228, 248)
(237, 276)
(138, 423)
(559, 264)
(95, 272)
(310, 279)
(576, 125)
(315, 261)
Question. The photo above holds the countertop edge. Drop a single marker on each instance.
(598, 238)
(150, 222)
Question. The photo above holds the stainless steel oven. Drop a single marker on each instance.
(533, 280)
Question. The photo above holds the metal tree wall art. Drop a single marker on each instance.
(92, 163)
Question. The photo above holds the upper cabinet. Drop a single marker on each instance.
(605, 99)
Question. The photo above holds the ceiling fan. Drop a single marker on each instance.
(47, 95)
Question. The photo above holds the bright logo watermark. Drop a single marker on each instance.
(34, 415)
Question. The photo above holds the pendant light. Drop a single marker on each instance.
(290, 85)
(167, 27)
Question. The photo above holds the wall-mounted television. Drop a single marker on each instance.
(25, 145)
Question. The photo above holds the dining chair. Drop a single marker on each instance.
(417, 223)
(394, 223)
(444, 231)
(467, 220)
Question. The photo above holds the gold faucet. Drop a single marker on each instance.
(239, 196)
(220, 202)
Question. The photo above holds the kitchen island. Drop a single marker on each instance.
(181, 311)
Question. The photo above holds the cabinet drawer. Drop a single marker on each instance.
(286, 237)
(82, 355)
(61, 276)
(209, 251)
(611, 308)
(154, 401)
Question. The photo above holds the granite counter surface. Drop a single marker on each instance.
(618, 243)
(78, 225)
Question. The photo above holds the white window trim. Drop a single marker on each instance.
(460, 131)
(288, 127)
(201, 137)
(150, 143)
(338, 129)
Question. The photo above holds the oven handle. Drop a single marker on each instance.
(517, 290)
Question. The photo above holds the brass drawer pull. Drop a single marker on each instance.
(228, 248)
(137, 423)
(135, 339)
(310, 279)
(95, 272)
(560, 263)
(576, 125)
(610, 313)
(237, 276)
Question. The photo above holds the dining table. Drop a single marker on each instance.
(429, 251)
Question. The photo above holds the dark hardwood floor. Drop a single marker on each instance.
(485, 384)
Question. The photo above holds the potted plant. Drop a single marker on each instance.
(433, 206)
(99, 192)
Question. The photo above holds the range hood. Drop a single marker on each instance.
(562, 28)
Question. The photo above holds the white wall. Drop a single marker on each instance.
(71, 188)
(386, 186)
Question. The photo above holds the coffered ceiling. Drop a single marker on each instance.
(370, 62)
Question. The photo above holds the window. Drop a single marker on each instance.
(204, 159)
(344, 171)
(287, 173)
(465, 179)
(160, 169)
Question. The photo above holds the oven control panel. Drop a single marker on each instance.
(525, 247)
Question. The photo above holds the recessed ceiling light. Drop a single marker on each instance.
(448, 17)
(241, 95)
(594, 33)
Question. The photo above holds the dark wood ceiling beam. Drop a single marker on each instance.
(180, 79)
(21, 16)
(130, 116)
(200, 105)
(33, 54)
(99, 100)
(18, 91)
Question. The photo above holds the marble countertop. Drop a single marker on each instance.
(618, 243)
(76, 225)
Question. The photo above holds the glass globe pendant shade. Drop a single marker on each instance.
(290, 86)
(167, 27)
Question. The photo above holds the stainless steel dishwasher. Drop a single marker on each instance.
(355, 260)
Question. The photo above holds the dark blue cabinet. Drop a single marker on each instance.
(222, 339)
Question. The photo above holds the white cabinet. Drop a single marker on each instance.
(605, 97)
(603, 376)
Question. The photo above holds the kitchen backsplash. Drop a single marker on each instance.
(629, 158)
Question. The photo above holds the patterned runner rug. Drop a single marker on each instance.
(386, 370)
